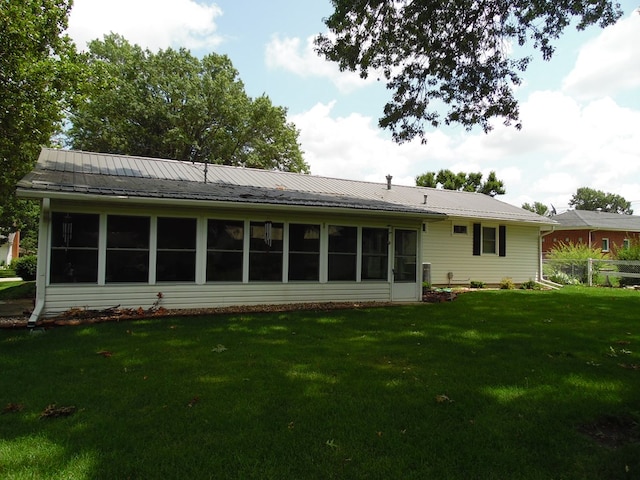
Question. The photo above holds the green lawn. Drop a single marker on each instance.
(17, 290)
(495, 385)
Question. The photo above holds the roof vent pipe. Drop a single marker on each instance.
(389, 177)
(425, 199)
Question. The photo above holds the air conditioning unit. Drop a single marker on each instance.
(426, 272)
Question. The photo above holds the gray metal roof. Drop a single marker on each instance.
(588, 220)
(76, 172)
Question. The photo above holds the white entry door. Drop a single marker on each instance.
(406, 287)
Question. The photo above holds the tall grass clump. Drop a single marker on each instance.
(629, 253)
(567, 263)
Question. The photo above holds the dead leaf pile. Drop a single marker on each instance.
(13, 408)
(443, 399)
(53, 411)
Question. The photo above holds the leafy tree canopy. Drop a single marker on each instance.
(171, 104)
(471, 182)
(587, 198)
(455, 53)
(537, 207)
(38, 69)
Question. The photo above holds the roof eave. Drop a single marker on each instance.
(263, 206)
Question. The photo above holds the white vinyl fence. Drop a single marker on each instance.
(593, 271)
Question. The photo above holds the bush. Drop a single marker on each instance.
(569, 263)
(507, 284)
(476, 284)
(630, 253)
(26, 267)
(530, 285)
(563, 278)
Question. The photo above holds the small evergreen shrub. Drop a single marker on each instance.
(26, 267)
(476, 284)
(507, 284)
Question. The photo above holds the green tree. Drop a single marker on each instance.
(427, 179)
(537, 207)
(171, 104)
(587, 198)
(39, 70)
(454, 52)
(468, 182)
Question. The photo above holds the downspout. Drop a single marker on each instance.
(542, 234)
(43, 254)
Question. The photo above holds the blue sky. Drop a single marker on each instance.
(581, 110)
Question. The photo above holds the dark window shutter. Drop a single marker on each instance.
(502, 240)
(477, 239)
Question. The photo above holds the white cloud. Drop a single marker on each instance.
(563, 146)
(152, 24)
(608, 64)
(299, 58)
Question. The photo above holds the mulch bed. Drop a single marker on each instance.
(81, 316)
(438, 296)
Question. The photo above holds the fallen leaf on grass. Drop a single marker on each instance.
(219, 348)
(443, 399)
(52, 411)
(105, 353)
(13, 408)
(193, 401)
(630, 366)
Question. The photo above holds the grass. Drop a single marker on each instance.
(17, 290)
(493, 385)
(7, 273)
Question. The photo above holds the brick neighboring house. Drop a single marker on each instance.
(596, 229)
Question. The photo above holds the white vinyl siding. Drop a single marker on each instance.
(212, 295)
(454, 253)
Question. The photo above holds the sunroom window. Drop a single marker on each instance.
(304, 252)
(127, 249)
(225, 245)
(74, 248)
(343, 253)
(265, 251)
(375, 253)
(176, 255)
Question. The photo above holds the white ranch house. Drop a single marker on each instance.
(118, 230)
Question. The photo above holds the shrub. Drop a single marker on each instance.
(563, 278)
(571, 260)
(507, 284)
(632, 252)
(530, 285)
(26, 267)
(476, 284)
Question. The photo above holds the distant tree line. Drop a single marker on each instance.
(590, 199)
(462, 181)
